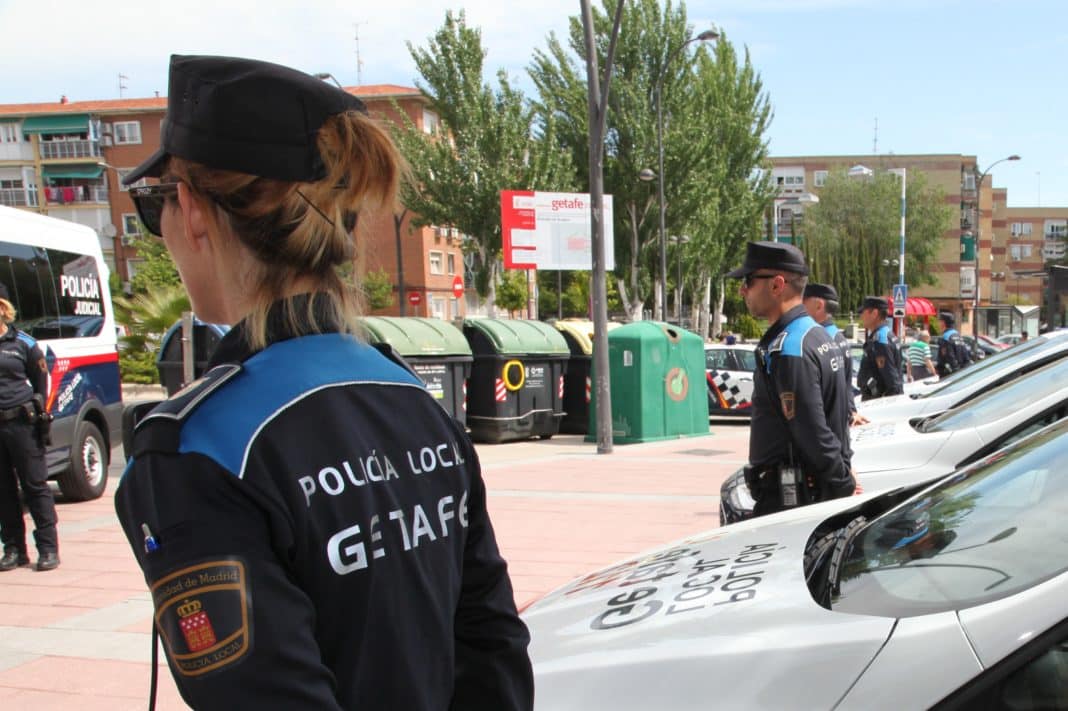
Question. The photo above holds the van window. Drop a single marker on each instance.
(56, 294)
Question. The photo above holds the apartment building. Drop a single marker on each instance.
(980, 255)
(66, 159)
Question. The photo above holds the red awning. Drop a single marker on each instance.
(917, 306)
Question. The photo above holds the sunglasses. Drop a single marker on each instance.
(750, 278)
(149, 201)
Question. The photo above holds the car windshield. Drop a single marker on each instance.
(747, 358)
(1003, 400)
(994, 366)
(984, 533)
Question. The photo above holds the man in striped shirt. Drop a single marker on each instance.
(920, 364)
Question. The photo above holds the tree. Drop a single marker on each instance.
(378, 288)
(148, 315)
(857, 223)
(487, 141)
(715, 115)
(156, 268)
(512, 291)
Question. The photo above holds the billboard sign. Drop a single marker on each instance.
(551, 230)
(967, 282)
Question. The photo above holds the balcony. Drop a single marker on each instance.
(75, 194)
(70, 149)
(17, 197)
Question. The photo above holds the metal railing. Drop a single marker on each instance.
(76, 194)
(13, 197)
(70, 149)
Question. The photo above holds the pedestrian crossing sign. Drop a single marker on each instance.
(901, 292)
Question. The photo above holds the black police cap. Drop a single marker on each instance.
(771, 255)
(245, 115)
(948, 318)
(820, 291)
(875, 302)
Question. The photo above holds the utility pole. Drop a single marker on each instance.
(359, 62)
(122, 84)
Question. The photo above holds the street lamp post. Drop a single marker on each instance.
(979, 178)
(659, 88)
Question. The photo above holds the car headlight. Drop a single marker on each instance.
(739, 497)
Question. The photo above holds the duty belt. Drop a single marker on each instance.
(18, 412)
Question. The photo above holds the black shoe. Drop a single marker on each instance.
(48, 561)
(13, 558)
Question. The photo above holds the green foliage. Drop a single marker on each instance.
(512, 291)
(148, 316)
(157, 269)
(857, 224)
(747, 326)
(487, 141)
(576, 294)
(715, 116)
(378, 288)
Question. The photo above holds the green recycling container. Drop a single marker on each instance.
(516, 389)
(435, 350)
(657, 376)
(577, 382)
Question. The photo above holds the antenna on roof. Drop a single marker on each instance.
(875, 139)
(359, 62)
(122, 85)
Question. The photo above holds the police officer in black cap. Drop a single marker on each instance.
(821, 302)
(799, 449)
(23, 377)
(953, 352)
(311, 523)
(880, 371)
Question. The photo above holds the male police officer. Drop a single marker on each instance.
(879, 374)
(821, 302)
(799, 442)
(953, 352)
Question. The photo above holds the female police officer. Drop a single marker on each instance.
(23, 375)
(311, 523)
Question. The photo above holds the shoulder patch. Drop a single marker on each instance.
(180, 405)
(204, 613)
(776, 345)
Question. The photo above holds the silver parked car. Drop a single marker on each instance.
(950, 595)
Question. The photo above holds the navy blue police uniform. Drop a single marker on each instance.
(317, 538)
(953, 353)
(801, 400)
(880, 374)
(800, 412)
(829, 293)
(23, 374)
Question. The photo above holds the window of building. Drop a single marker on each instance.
(127, 132)
(123, 172)
(819, 178)
(9, 133)
(438, 308)
(1020, 251)
(436, 263)
(131, 225)
(969, 181)
(451, 261)
(430, 121)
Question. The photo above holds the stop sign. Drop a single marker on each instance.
(458, 286)
(415, 298)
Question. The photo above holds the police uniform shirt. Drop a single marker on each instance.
(801, 403)
(312, 527)
(881, 361)
(847, 357)
(952, 353)
(23, 371)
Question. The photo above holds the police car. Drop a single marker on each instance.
(933, 396)
(913, 450)
(952, 594)
(729, 372)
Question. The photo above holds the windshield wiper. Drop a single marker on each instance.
(832, 548)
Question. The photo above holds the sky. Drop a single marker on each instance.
(972, 77)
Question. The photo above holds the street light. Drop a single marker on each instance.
(802, 199)
(980, 177)
(659, 88)
(327, 75)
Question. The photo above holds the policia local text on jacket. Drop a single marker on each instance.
(800, 412)
(309, 547)
(23, 374)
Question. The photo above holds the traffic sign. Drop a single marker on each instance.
(415, 298)
(458, 286)
(899, 313)
(901, 293)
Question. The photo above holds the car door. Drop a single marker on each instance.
(730, 382)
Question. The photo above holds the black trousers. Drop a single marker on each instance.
(21, 455)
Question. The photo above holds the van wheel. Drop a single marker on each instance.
(87, 476)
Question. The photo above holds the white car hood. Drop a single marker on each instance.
(894, 445)
(721, 620)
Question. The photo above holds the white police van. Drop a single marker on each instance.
(55, 273)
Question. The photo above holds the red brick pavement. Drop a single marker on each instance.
(78, 637)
